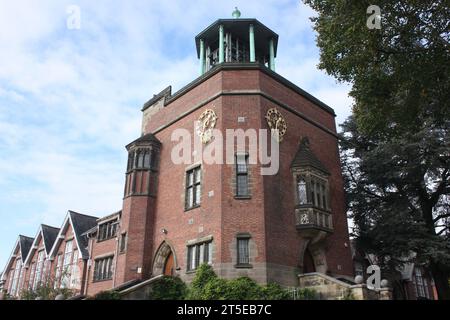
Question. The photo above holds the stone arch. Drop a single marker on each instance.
(164, 250)
(313, 252)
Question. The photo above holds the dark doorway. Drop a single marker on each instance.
(308, 262)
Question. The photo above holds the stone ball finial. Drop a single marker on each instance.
(384, 283)
(60, 297)
(359, 279)
(236, 13)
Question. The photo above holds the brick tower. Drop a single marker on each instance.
(177, 215)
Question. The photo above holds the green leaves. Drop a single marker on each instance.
(400, 72)
(207, 286)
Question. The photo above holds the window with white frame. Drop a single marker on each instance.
(21, 277)
(67, 262)
(199, 253)
(242, 185)
(301, 190)
(193, 187)
(58, 270)
(312, 190)
(75, 274)
(103, 269)
(11, 277)
(39, 268)
(17, 270)
(33, 269)
(107, 230)
(420, 284)
(318, 192)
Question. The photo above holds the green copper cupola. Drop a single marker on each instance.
(236, 40)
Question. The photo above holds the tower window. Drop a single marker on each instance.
(420, 284)
(311, 190)
(243, 250)
(242, 189)
(193, 187)
(301, 190)
(198, 254)
(123, 242)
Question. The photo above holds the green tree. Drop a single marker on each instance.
(395, 147)
(168, 288)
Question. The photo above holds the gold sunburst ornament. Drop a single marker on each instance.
(276, 121)
(205, 125)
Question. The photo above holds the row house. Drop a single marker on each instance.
(37, 265)
(13, 275)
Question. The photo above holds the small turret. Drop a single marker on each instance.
(236, 41)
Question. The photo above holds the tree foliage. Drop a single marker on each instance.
(399, 73)
(396, 145)
(168, 288)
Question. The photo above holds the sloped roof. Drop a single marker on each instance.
(306, 158)
(80, 224)
(149, 137)
(25, 245)
(49, 234)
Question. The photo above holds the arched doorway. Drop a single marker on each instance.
(165, 261)
(168, 265)
(308, 262)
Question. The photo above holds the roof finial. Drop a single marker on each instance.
(236, 13)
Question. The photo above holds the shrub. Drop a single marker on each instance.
(215, 289)
(243, 288)
(307, 294)
(106, 295)
(45, 292)
(274, 291)
(204, 278)
(207, 286)
(168, 288)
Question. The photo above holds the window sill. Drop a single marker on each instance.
(309, 205)
(243, 266)
(242, 197)
(103, 240)
(191, 208)
(103, 280)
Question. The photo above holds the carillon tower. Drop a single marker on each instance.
(236, 40)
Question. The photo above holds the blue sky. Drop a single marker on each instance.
(70, 100)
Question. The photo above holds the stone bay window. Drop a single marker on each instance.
(142, 166)
(312, 208)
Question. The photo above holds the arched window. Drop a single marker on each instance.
(301, 190)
